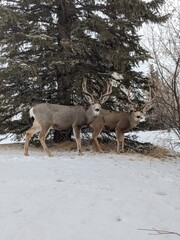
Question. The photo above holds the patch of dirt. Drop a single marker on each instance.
(131, 146)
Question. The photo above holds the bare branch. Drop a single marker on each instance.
(158, 232)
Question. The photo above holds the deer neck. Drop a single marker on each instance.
(90, 115)
(133, 121)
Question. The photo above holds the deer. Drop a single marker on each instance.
(118, 121)
(62, 117)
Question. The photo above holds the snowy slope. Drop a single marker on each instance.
(91, 197)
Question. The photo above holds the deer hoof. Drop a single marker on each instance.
(119, 152)
(101, 151)
(80, 154)
(50, 154)
(26, 154)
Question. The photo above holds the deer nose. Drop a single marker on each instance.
(97, 109)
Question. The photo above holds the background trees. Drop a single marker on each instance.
(49, 46)
(165, 71)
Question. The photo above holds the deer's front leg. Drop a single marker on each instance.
(98, 147)
(96, 131)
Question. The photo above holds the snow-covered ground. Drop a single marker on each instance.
(166, 139)
(90, 197)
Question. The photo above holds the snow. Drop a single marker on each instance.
(94, 196)
(164, 138)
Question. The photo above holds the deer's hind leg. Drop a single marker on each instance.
(42, 135)
(119, 139)
(29, 133)
(77, 131)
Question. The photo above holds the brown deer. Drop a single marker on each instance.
(120, 122)
(61, 117)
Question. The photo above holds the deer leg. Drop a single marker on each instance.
(42, 136)
(96, 131)
(29, 133)
(119, 138)
(76, 131)
(122, 142)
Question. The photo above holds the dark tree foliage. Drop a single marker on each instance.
(49, 46)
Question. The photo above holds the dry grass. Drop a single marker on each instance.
(65, 146)
(160, 152)
(11, 146)
(108, 146)
(146, 149)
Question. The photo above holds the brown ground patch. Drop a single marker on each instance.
(108, 146)
(65, 146)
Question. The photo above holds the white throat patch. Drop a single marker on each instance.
(96, 109)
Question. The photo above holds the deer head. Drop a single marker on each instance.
(137, 107)
(96, 103)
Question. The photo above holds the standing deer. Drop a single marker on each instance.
(61, 117)
(120, 122)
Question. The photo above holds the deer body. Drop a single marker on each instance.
(61, 117)
(120, 122)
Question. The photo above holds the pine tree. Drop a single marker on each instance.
(49, 46)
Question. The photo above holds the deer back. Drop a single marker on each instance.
(109, 119)
(63, 117)
(58, 116)
(113, 119)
